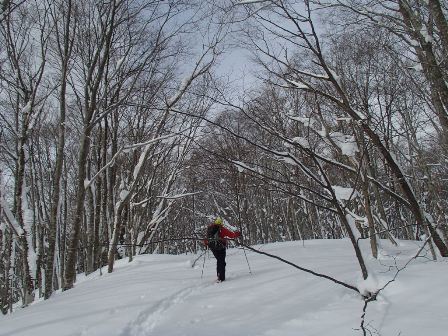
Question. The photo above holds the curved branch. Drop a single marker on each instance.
(301, 268)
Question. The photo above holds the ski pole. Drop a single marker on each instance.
(247, 260)
(203, 264)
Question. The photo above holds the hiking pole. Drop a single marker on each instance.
(203, 264)
(247, 260)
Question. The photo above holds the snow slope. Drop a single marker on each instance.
(163, 295)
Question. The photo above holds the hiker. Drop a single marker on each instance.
(217, 243)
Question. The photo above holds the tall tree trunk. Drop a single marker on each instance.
(98, 202)
(70, 266)
(63, 233)
(55, 202)
(27, 283)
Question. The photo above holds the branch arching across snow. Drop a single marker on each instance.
(300, 268)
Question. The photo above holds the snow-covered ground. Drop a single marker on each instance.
(163, 295)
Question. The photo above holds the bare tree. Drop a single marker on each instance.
(317, 74)
(63, 22)
(23, 73)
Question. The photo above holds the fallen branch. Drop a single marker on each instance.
(301, 268)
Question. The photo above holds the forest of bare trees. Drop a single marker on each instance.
(119, 136)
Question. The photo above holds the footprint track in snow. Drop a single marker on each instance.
(148, 319)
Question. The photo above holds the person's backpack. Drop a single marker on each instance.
(214, 241)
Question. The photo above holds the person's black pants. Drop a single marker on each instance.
(220, 256)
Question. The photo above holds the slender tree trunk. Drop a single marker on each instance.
(27, 282)
(98, 204)
(370, 221)
(64, 46)
(70, 266)
(90, 230)
(63, 233)
(6, 299)
(54, 212)
(343, 217)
